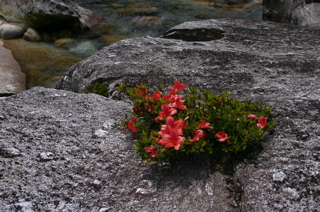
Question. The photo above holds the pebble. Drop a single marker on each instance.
(278, 177)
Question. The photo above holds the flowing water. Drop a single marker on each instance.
(45, 64)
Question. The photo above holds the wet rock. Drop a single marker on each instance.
(64, 42)
(10, 31)
(49, 15)
(32, 35)
(147, 20)
(12, 79)
(140, 9)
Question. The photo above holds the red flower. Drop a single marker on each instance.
(172, 140)
(166, 111)
(131, 124)
(177, 102)
(222, 136)
(252, 116)
(262, 122)
(178, 86)
(203, 124)
(197, 135)
(152, 150)
(156, 96)
(143, 93)
(172, 124)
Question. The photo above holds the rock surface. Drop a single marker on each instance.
(49, 15)
(265, 62)
(12, 80)
(63, 151)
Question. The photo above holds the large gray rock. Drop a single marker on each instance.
(49, 15)
(63, 151)
(298, 12)
(265, 62)
(12, 80)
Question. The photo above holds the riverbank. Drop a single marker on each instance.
(12, 79)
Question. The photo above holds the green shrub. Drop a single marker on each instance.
(98, 88)
(171, 125)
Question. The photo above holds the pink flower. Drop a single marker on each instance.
(177, 102)
(131, 124)
(203, 124)
(178, 86)
(152, 150)
(172, 140)
(262, 122)
(251, 116)
(197, 135)
(166, 111)
(222, 136)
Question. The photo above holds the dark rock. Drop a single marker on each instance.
(299, 12)
(75, 156)
(196, 31)
(309, 15)
(9, 152)
(49, 15)
(265, 62)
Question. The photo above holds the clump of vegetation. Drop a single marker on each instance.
(171, 125)
(98, 88)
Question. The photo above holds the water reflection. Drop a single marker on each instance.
(45, 64)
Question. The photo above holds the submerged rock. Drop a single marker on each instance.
(32, 35)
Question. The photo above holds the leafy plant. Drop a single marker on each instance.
(98, 88)
(171, 125)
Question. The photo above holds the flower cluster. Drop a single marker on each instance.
(171, 124)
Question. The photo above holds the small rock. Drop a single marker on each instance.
(97, 182)
(10, 152)
(100, 133)
(32, 35)
(147, 20)
(291, 193)
(63, 42)
(278, 177)
(105, 209)
(46, 156)
(25, 206)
